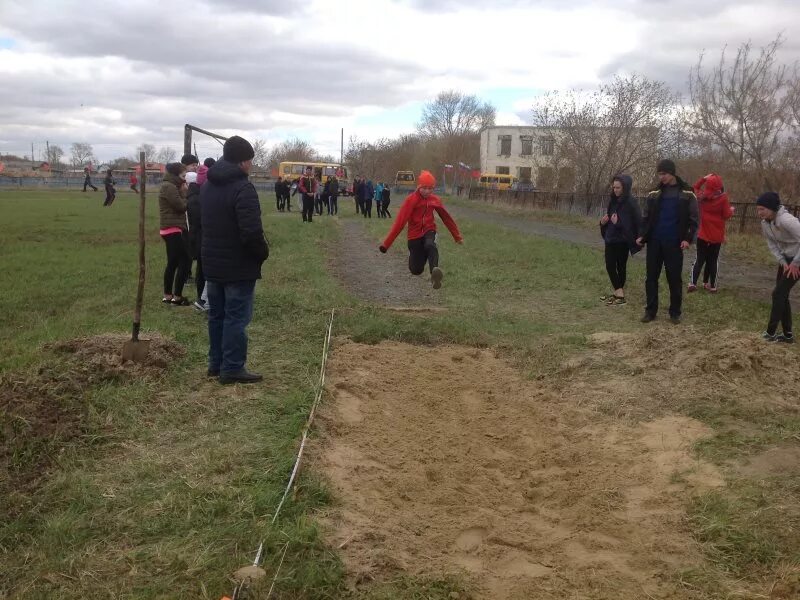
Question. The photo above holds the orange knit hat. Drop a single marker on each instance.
(426, 179)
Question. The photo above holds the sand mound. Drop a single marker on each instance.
(445, 460)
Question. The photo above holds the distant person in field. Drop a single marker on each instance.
(358, 194)
(279, 193)
(715, 210)
(174, 231)
(668, 228)
(323, 191)
(307, 186)
(195, 236)
(369, 192)
(202, 171)
(333, 195)
(417, 211)
(87, 179)
(619, 228)
(233, 249)
(134, 183)
(386, 199)
(782, 231)
(379, 199)
(111, 191)
(192, 163)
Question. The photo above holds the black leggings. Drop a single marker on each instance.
(366, 207)
(708, 256)
(199, 278)
(617, 263)
(178, 261)
(111, 193)
(333, 205)
(423, 250)
(386, 212)
(308, 208)
(781, 308)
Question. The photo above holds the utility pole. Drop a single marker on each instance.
(341, 149)
(47, 143)
(32, 161)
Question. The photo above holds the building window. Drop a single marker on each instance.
(527, 145)
(502, 171)
(503, 145)
(524, 174)
(548, 146)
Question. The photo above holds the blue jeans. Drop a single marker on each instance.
(231, 309)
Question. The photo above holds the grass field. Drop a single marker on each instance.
(160, 484)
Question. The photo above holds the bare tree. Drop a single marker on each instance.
(745, 110)
(261, 158)
(81, 153)
(149, 152)
(624, 126)
(54, 155)
(166, 154)
(123, 162)
(293, 149)
(454, 114)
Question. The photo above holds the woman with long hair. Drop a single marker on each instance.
(620, 228)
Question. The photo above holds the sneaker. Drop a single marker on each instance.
(166, 300)
(712, 290)
(616, 301)
(436, 277)
(692, 288)
(180, 302)
(769, 337)
(786, 338)
(647, 317)
(199, 306)
(675, 320)
(243, 376)
(706, 287)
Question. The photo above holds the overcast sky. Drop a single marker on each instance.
(117, 74)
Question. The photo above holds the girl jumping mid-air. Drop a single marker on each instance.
(417, 211)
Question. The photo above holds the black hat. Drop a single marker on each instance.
(665, 165)
(237, 149)
(189, 159)
(769, 200)
(209, 162)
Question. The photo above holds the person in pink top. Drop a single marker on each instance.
(417, 211)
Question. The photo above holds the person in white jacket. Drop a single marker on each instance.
(782, 231)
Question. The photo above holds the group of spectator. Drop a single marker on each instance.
(676, 215)
(315, 197)
(365, 192)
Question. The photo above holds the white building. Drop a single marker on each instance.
(526, 152)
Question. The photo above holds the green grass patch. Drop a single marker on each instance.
(163, 485)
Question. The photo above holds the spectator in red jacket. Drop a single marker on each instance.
(715, 209)
(417, 211)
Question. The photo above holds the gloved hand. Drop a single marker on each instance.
(382, 249)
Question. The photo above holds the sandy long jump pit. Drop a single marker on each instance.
(445, 460)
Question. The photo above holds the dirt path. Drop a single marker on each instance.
(750, 281)
(379, 278)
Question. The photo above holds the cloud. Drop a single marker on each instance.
(119, 74)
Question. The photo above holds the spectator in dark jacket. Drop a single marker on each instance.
(368, 192)
(358, 192)
(620, 228)
(333, 195)
(111, 191)
(307, 186)
(668, 228)
(386, 199)
(233, 248)
(279, 193)
(195, 235)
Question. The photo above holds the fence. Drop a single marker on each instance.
(744, 220)
(76, 183)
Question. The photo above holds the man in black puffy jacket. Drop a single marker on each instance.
(233, 248)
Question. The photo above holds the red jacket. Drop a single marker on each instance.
(715, 209)
(418, 213)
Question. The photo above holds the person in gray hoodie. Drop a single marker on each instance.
(782, 230)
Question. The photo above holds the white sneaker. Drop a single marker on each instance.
(200, 306)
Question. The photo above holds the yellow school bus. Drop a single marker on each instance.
(496, 181)
(322, 171)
